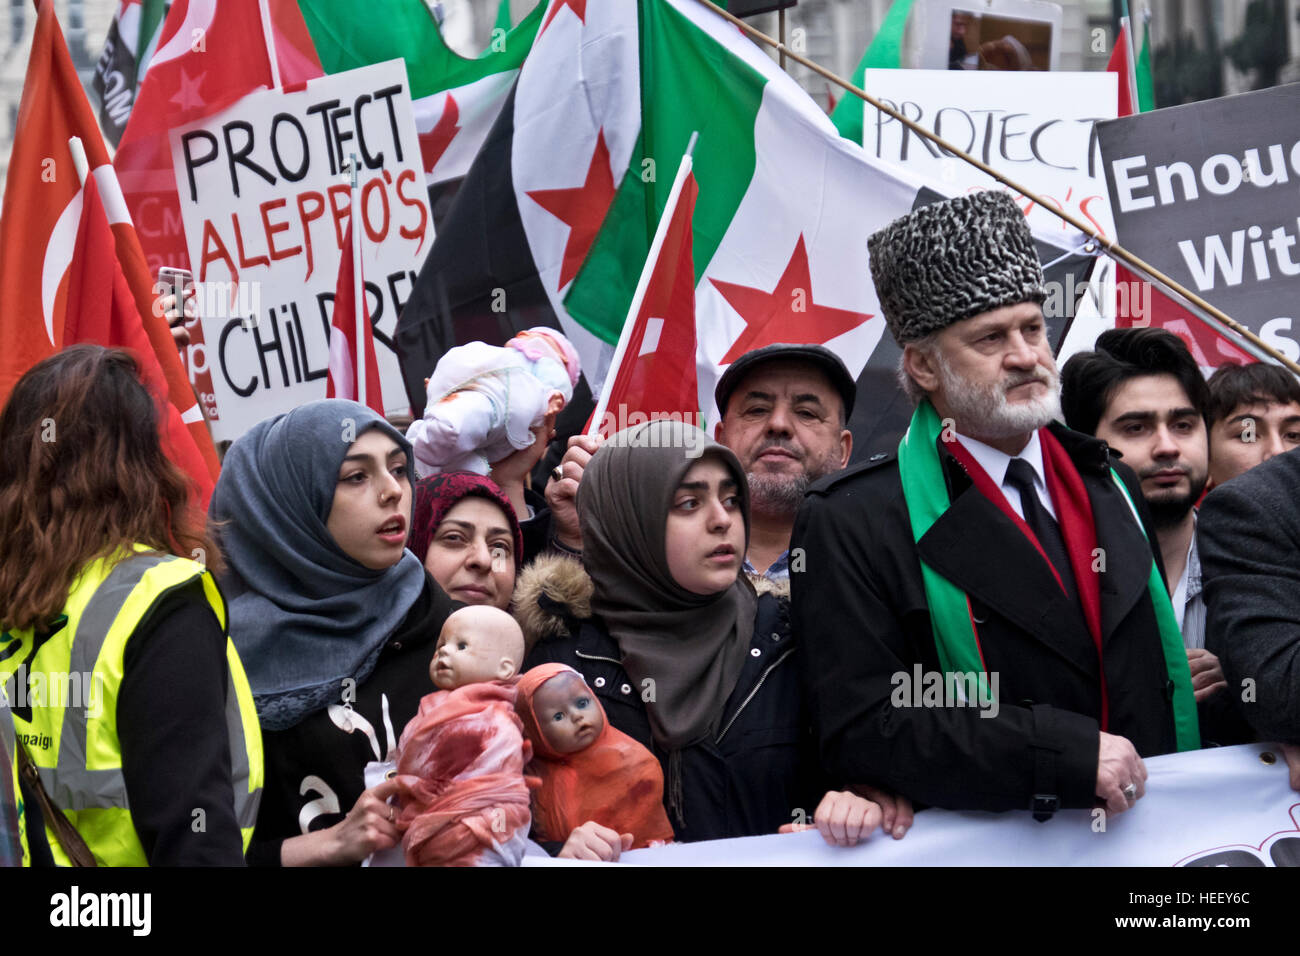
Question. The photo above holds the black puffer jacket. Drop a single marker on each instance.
(759, 770)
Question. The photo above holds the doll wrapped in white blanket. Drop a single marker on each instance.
(483, 401)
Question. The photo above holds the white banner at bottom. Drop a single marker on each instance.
(1227, 806)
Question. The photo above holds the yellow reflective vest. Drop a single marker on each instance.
(71, 685)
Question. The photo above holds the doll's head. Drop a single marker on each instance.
(568, 716)
(477, 643)
(543, 342)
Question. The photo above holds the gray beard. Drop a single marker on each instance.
(777, 494)
(983, 412)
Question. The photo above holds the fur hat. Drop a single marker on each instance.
(952, 260)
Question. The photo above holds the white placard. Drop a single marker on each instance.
(265, 199)
(1037, 128)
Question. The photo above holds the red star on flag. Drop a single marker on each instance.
(582, 208)
(787, 313)
(187, 95)
(579, 7)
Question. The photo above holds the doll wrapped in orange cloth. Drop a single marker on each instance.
(461, 788)
(588, 769)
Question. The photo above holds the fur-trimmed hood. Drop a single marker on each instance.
(552, 592)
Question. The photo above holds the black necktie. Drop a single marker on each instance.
(1020, 475)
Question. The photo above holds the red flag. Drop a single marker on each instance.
(38, 230)
(1121, 64)
(343, 339)
(657, 374)
(102, 311)
(209, 56)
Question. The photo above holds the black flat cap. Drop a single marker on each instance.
(818, 355)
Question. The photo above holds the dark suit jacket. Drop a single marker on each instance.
(859, 610)
(1249, 535)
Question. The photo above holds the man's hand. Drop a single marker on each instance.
(1207, 673)
(896, 809)
(1291, 753)
(591, 841)
(1119, 767)
(562, 493)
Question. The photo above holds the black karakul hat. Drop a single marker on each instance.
(952, 260)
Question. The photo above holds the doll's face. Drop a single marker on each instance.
(476, 644)
(567, 713)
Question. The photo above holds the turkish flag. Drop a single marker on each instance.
(210, 55)
(41, 219)
(102, 311)
(343, 339)
(657, 373)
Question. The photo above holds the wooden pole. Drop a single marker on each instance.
(1212, 316)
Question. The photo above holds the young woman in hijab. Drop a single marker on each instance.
(685, 656)
(334, 619)
(466, 533)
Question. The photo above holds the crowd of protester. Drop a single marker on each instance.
(741, 608)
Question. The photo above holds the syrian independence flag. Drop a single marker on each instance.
(555, 219)
(455, 100)
(39, 229)
(132, 38)
(343, 380)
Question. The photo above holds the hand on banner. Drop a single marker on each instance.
(591, 841)
(562, 492)
(1291, 753)
(1121, 774)
(842, 818)
(896, 809)
(1207, 673)
(178, 318)
(509, 473)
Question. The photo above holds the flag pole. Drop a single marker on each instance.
(1219, 321)
(358, 286)
(79, 161)
(268, 37)
(661, 233)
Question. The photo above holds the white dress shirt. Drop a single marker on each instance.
(995, 464)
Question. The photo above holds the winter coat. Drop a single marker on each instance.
(759, 769)
(860, 614)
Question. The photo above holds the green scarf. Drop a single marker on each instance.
(926, 493)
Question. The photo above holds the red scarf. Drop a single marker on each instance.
(1074, 515)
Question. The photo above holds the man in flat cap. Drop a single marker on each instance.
(983, 620)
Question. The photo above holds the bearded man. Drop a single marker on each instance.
(1000, 561)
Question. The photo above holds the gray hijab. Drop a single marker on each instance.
(303, 615)
(692, 646)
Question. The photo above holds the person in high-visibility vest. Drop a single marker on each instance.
(125, 689)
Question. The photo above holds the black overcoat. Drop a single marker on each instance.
(860, 615)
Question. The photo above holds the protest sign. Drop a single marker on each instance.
(1037, 128)
(1207, 194)
(1180, 822)
(265, 197)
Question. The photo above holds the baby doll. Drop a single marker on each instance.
(483, 401)
(589, 770)
(460, 764)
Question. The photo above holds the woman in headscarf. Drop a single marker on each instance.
(685, 656)
(467, 535)
(334, 619)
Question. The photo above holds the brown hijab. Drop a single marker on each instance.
(692, 646)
